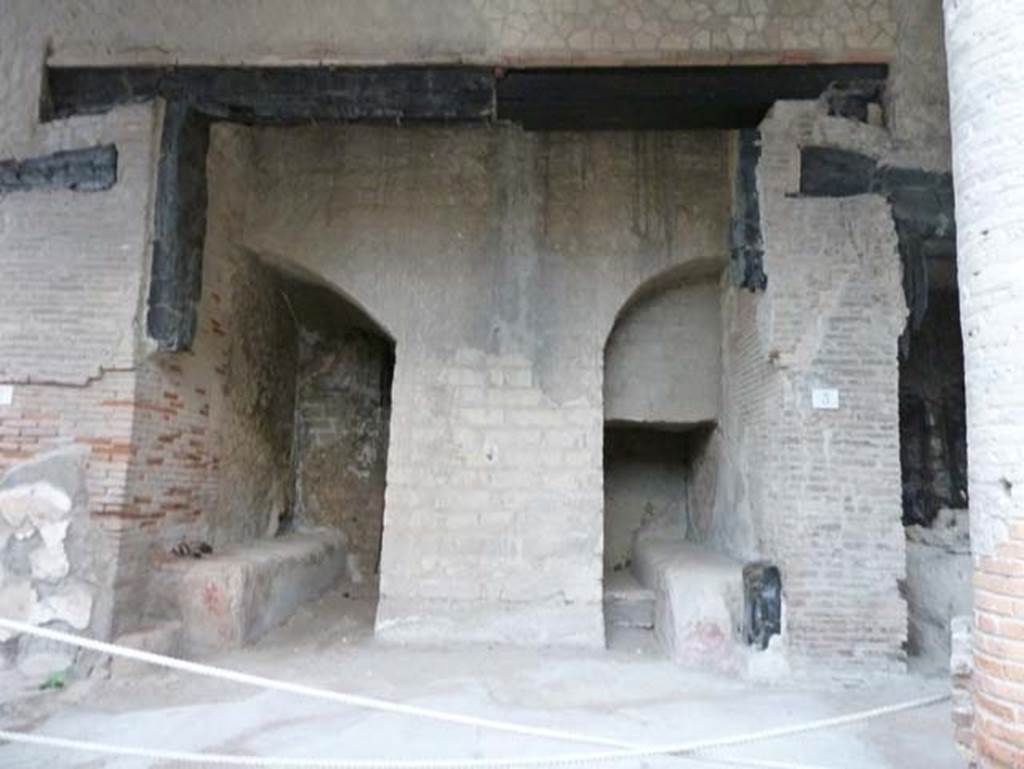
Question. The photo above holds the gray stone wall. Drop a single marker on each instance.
(498, 260)
(497, 236)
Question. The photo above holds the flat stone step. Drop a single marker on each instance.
(627, 603)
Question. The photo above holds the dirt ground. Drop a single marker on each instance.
(628, 693)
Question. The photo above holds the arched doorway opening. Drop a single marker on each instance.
(662, 391)
(274, 455)
(345, 367)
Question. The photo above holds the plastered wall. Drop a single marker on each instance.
(538, 217)
(498, 261)
(645, 484)
(985, 41)
(663, 358)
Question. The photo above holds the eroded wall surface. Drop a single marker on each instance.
(498, 261)
(73, 267)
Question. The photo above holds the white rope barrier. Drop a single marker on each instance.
(624, 750)
(367, 703)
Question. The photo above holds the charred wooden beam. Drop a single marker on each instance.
(91, 168)
(281, 95)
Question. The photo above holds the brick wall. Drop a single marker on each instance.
(212, 429)
(985, 44)
(194, 444)
(817, 492)
(74, 266)
(832, 501)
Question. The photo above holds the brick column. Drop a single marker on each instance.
(985, 49)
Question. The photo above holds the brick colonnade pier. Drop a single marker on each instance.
(985, 45)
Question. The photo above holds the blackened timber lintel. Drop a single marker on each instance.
(179, 228)
(87, 169)
(628, 98)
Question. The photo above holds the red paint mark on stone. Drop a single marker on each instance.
(213, 599)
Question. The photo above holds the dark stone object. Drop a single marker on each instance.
(827, 172)
(179, 228)
(762, 603)
(91, 168)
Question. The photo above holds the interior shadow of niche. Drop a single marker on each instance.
(662, 386)
(341, 426)
(648, 480)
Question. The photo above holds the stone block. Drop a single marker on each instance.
(232, 598)
(698, 601)
(762, 603)
(627, 603)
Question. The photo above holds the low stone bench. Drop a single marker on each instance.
(698, 605)
(233, 597)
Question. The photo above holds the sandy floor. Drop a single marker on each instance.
(623, 693)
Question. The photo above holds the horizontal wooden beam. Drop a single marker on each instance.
(723, 97)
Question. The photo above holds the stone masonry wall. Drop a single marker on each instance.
(54, 559)
(491, 361)
(498, 260)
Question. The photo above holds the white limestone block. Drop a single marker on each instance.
(50, 561)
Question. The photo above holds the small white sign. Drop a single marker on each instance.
(6, 395)
(826, 398)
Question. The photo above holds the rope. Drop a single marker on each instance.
(567, 759)
(625, 750)
(368, 703)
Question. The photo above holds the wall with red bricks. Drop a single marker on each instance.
(185, 445)
(985, 45)
(815, 491)
(73, 266)
(212, 433)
